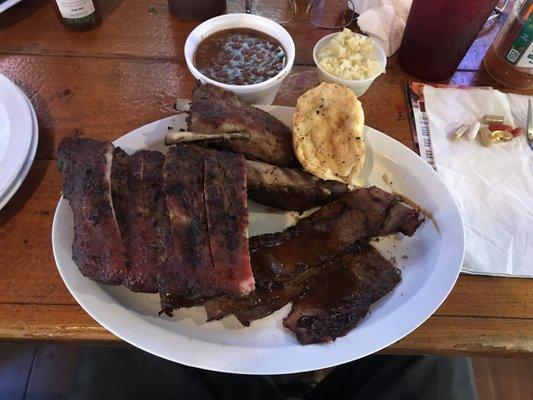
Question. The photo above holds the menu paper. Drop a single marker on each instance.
(419, 120)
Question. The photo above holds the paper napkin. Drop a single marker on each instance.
(384, 21)
(493, 186)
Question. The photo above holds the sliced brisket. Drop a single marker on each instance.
(339, 226)
(97, 249)
(341, 296)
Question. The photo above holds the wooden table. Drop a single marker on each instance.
(127, 73)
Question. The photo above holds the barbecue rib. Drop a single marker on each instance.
(97, 249)
(227, 222)
(214, 110)
(339, 226)
(207, 246)
(288, 188)
(341, 296)
(183, 274)
(141, 214)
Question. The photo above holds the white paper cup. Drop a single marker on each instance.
(360, 86)
(258, 93)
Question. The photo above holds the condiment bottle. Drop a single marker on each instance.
(509, 60)
(438, 33)
(197, 10)
(78, 15)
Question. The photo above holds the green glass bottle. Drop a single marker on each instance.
(78, 15)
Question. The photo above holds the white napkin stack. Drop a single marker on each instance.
(384, 21)
(493, 186)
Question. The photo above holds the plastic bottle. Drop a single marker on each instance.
(509, 59)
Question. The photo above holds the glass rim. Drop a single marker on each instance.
(292, 5)
(314, 3)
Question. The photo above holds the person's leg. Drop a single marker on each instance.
(400, 377)
(238, 387)
(127, 373)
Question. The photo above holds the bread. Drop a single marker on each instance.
(328, 132)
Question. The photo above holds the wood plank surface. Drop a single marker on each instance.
(145, 29)
(142, 28)
(106, 98)
(116, 96)
(439, 335)
(476, 308)
(33, 263)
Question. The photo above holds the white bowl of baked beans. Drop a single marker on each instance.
(246, 54)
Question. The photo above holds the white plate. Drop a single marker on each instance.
(34, 141)
(435, 255)
(16, 131)
(8, 4)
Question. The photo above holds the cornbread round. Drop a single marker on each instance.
(328, 132)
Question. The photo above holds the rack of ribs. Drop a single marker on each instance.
(207, 244)
(214, 110)
(177, 225)
(341, 296)
(97, 249)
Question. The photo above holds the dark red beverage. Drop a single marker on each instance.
(439, 33)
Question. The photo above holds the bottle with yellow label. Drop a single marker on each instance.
(78, 15)
(509, 60)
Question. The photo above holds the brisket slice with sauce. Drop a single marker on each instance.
(141, 214)
(341, 296)
(207, 245)
(340, 226)
(215, 110)
(97, 249)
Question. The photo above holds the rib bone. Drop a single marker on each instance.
(187, 137)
